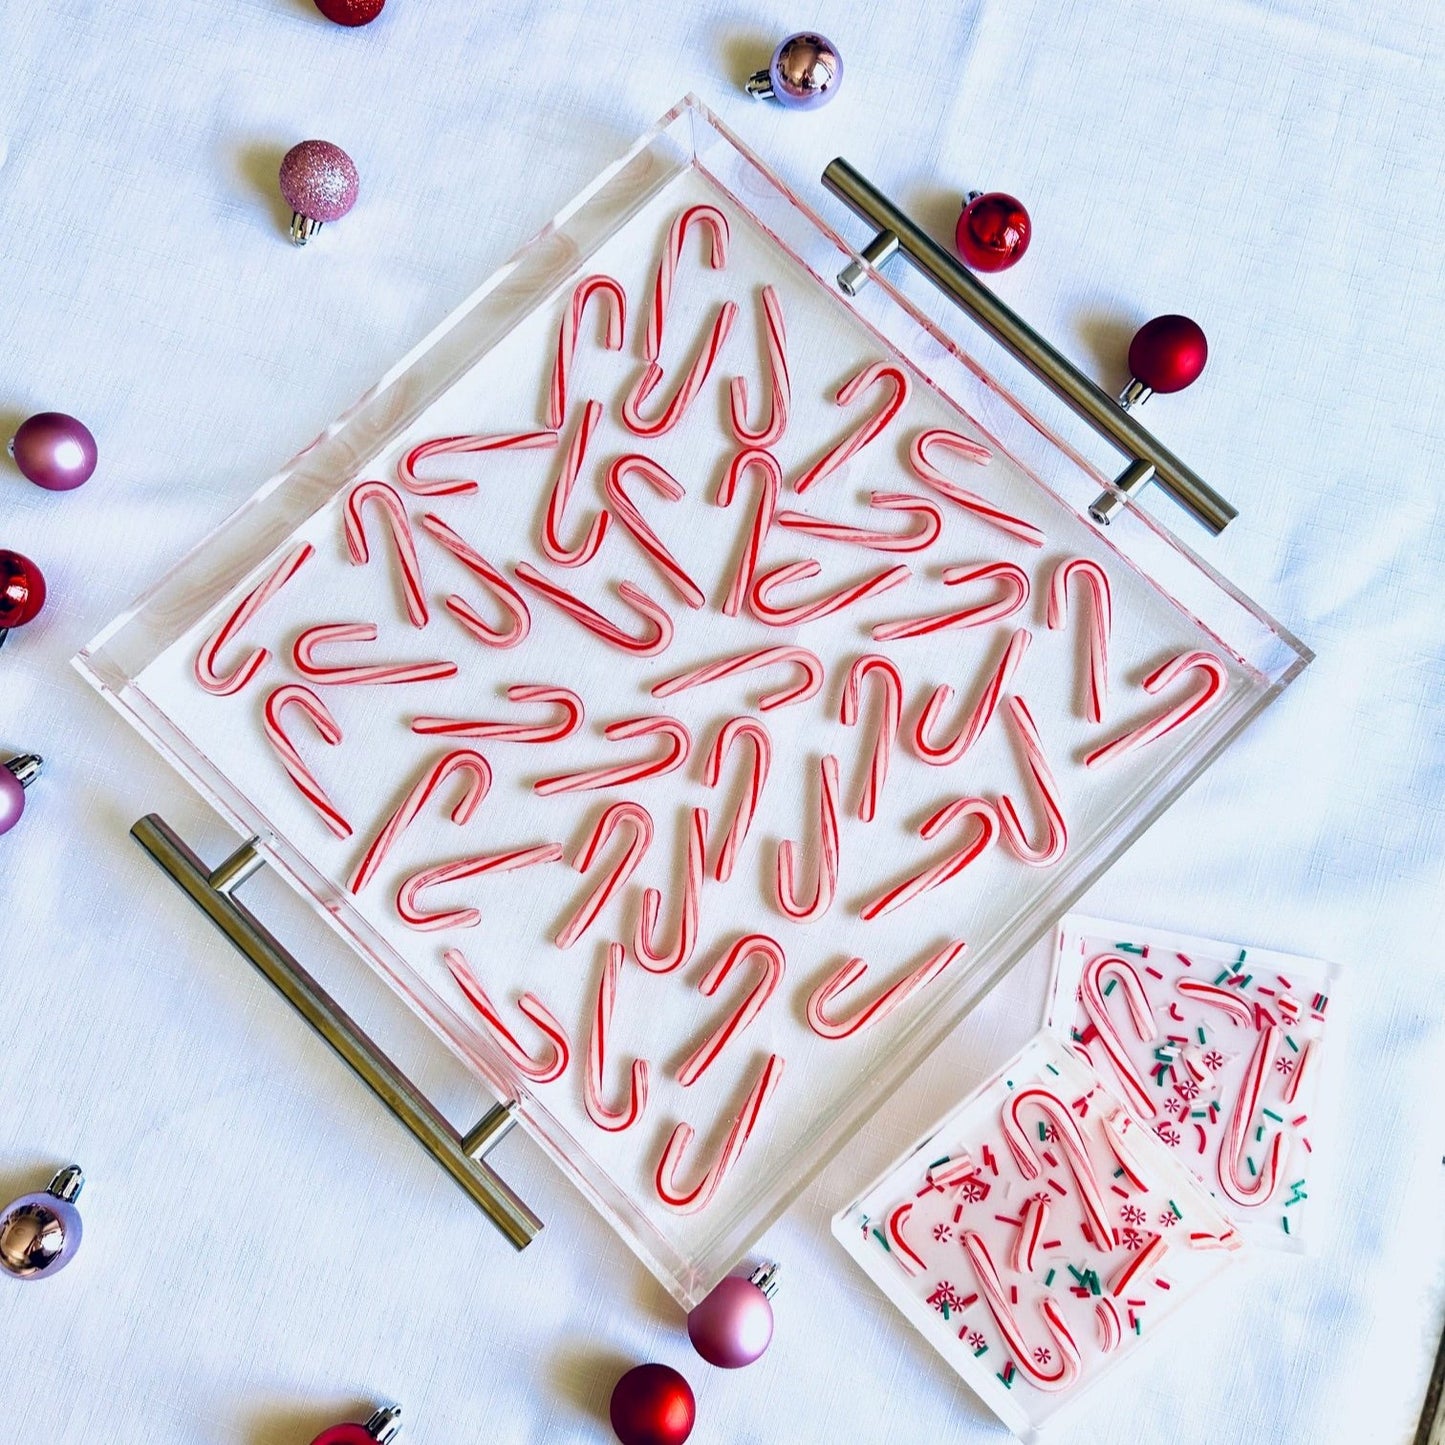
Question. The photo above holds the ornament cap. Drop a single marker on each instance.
(25, 769)
(71, 1180)
(765, 1276)
(385, 1424)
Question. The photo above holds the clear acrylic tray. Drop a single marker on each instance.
(486, 369)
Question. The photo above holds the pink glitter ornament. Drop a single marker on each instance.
(319, 182)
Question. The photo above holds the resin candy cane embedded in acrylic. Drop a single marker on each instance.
(1031, 1362)
(296, 694)
(225, 684)
(663, 482)
(620, 775)
(742, 820)
(751, 946)
(553, 547)
(451, 446)
(665, 280)
(1260, 1186)
(889, 718)
(950, 867)
(807, 686)
(519, 619)
(563, 698)
(544, 1070)
(614, 1121)
(915, 539)
(1096, 1006)
(1015, 596)
(656, 634)
(1213, 681)
(1101, 620)
(410, 911)
(867, 430)
(927, 473)
(765, 464)
(1056, 830)
(890, 999)
(688, 389)
(571, 329)
(393, 509)
(649, 955)
(383, 674)
(945, 753)
(780, 385)
(825, 867)
(612, 819)
(1071, 1142)
(908, 1257)
(762, 607)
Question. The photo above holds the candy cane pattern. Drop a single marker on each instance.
(384, 674)
(1147, 1260)
(620, 775)
(751, 946)
(807, 686)
(688, 389)
(1071, 1144)
(662, 481)
(1214, 997)
(666, 278)
(950, 867)
(915, 539)
(1292, 1084)
(653, 959)
(946, 753)
(1111, 1327)
(399, 525)
(571, 329)
(1118, 1127)
(742, 819)
(927, 473)
(890, 999)
(296, 694)
(1261, 1185)
(513, 604)
(611, 820)
(614, 1121)
(1096, 1006)
(1031, 1230)
(766, 465)
(825, 870)
(1056, 830)
(563, 698)
(907, 1257)
(867, 430)
(410, 911)
(656, 635)
(553, 547)
(889, 718)
(1213, 681)
(780, 384)
(224, 685)
(1101, 620)
(447, 446)
(540, 1071)
(760, 605)
(1015, 595)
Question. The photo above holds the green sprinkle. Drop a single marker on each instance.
(981, 1350)
(1243, 954)
(1129, 948)
(1043, 1133)
(1119, 1173)
(1137, 1330)
(1094, 1286)
(1246, 980)
(1051, 1068)
(1270, 1114)
(1049, 1278)
(944, 1307)
(1259, 1135)
(1199, 1114)
(1250, 1162)
(937, 1162)
(1110, 986)
(878, 1235)
(1202, 1039)
(1284, 1220)
(1078, 1278)
(1175, 1208)
(1007, 1384)
(1221, 978)
(1291, 1043)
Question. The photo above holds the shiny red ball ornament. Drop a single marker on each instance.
(1168, 353)
(22, 590)
(350, 12)
(993, 232)
(652, 1405)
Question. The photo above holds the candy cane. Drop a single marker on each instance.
(742, 819)
(661, 480)
(1101, 619)
(795, 616)
(753, 945)
(889, 717)
(519, 617)
(1214, 997)
(1118, 1127)
(1214, 679)
(1031, 1230)
(567, 701)
(985, 511)
(825, 868)
(945, 754)
(645, 940)
(553, 546)
(399, 524)
(413, 915)
(418, 796)
(866, 430)
(780, 382)
(772, 480)
(916, 539)
(949, 867)
(1056, 830)
(954, 1170)
(571, 329)
(909, 1258)
(991, 1287)
(1258, 1189)
(663, 283)
(386, 674)
(619, 775)
(1111, 1327)
(613, 818)
(809, 663)
(297, 694)
(445, 446)
(1147, 1260)
(875, 1012)
(1096, 1006)
(542, 1071)
(1071, 1143)
(1292, 1084)
(656, 635)
(688, 389)
(245, 610)
(702, 1193)
(613, 1121)
(1015, 582)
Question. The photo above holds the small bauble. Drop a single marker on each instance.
(22, 590)
(319, 182)
(351, 12)
(39, 1233)
(54, 451)
(993, 232)
(733, 1326)
(1168, 353)
(652, 1405)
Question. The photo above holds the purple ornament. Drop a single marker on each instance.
(733, 1326)
(319, 183)
(39, 1233)
(15, 777)
(804, 73)
(54, 451)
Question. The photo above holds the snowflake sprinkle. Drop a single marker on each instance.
(1131, 1238)
(1132, 1214)
(1043, 1354)
(1168, 1133)
(1168, 1219)
(1283, 1065)
(1214, 1061)
(943, 1233)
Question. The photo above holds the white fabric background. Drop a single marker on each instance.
(265, 1250)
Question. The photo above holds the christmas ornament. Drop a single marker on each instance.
(15, 777)
(993, 232)
(350, 12)
(319, 183)
(54, 451)
(1166, 354)
(384, 1425)
(22, 591)
(652, 1405)
(39, 1233)
(733, 1326)
(804, 73)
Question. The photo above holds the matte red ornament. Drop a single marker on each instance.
(652, 1405)
(22, 590)
(993, 232)
(1168, 353)
(351, 12)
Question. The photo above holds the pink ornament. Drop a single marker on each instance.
(319, 182)
(54, 451)
(733, 1326)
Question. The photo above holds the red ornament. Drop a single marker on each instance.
(652, 1405)
(345, 1435)
(993, 232)
(350, 12)
(22, 590)
(1168, 353)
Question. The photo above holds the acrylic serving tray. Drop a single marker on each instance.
(486, 370)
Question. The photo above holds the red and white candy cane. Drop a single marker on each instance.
(891, 998)
(553, 1064)
(614, 1121)
(766, 466)
(585, 915)
(751, 946)
(897, 382)
(780, 385)
(295, 694)
(1111, 1327)
(1056, 830)
(889, 717)
(382, 674)
(950, 867)
(1213, 679)
(225, 684)
(1013, 580)
(915, 539)
(825, 866)
(1301, 1068)
(518, 621)
(663, 482)
(688, 389)
(1031, 1230)
(571, 329)
(553, 547)
(928, 473)
(665, 280)
(399, 525)
(562, 698)
(645, 946)
(1212, 996)
(742, 819)
(1119, 1128)
(908, 1257)
(461, 760)
(1071, 1143)
(1101, 620)
(410, 911)
(656, 635)
(449, 446)
(1144, 1262)
(945, 753)
(691, 1201)
(1260, 1185)
(760, 605)
(1136, 999)
(1032, 1362)
(619, 775)
(807, 686)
